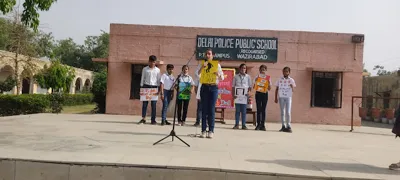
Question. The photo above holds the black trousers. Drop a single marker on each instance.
(185, 105)
(261, 101)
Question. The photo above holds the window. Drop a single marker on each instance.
(136, 76)
(326, 89)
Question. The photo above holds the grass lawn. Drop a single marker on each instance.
(81, 109)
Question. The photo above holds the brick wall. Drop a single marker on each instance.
(298, 50)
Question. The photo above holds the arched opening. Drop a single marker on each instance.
(86, 86)
(26, 82)
(78, 83)
(6, 72)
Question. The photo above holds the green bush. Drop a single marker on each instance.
(77, 99)
(38, 103)
(23, 104)
(99, 90)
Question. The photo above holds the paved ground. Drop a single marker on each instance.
(323, 151)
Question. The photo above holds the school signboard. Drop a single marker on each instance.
(238, 48)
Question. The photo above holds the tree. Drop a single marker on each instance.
(7, 85)
(19, 41)
(382, 71)
(57, 77)
(99, 90)
(30, 15)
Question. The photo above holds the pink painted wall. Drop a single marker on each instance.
(298, 50)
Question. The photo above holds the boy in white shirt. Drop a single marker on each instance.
(150, 79)
(167, 92)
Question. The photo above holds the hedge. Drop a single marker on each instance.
(37, 103)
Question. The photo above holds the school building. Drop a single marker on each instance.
(327, 67)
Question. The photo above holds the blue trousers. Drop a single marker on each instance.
(208, 94)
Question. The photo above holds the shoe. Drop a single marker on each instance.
(203, 134)
(142, 121)
(162, 123)
(182, 123)
(263, 128)
(236, 127)
(196, 124)
(153, 123)
(288, 130)
(244, 127)
(282, 129)
(167, 123)
(257, 128)
(210, 135)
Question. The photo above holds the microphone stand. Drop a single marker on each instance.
(172, 133)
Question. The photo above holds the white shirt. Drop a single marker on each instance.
(186, 79)
(284, 89)
(150, 76)
(220, 72)
(167, 81)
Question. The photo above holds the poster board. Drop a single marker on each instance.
(148, 94)
(241, 95)
(285, 90)
(207, 73)
(225, 98)
(184, 92)
(262, 83)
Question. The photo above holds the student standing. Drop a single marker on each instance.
(262, 84)
(209, 94)
(241, 80)
(167, 92)
(197, 90)
(150, 79)
(185, 86)
(284, 87)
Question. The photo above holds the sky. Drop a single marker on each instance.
(377, 19)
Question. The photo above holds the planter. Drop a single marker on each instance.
(362, 112)
(385, 120)
(376, 113)
(378, 120)
(389, 113)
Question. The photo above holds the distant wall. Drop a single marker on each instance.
(372, 86)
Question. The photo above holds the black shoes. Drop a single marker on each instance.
(284, 129)
(165, 123)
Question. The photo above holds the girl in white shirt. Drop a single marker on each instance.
(284, 87)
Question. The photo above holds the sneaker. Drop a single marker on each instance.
(236, 127)
(196, 124)
(153, 123)
(244, 127)
(182, 123)
(142, 121)
(263, 128)
(203, 134)
(257, 128)
(162, 123)
(167, 123)
(282, 129)
(210, 135)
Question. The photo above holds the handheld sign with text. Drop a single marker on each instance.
(241, 95)
(225, 99)
(184, 90)
(285, 90)
(208, 73)
(262, 83)
(148, 94)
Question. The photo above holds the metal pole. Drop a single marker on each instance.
(352, 113)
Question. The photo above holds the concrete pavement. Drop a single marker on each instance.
(312, 151)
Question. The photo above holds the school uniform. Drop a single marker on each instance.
(184, 103)
(150, 79)
(285, 93)
(168, 81)
(240, 80)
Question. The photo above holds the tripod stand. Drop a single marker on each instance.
(172, 133)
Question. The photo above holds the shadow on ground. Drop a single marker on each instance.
(330, 166)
